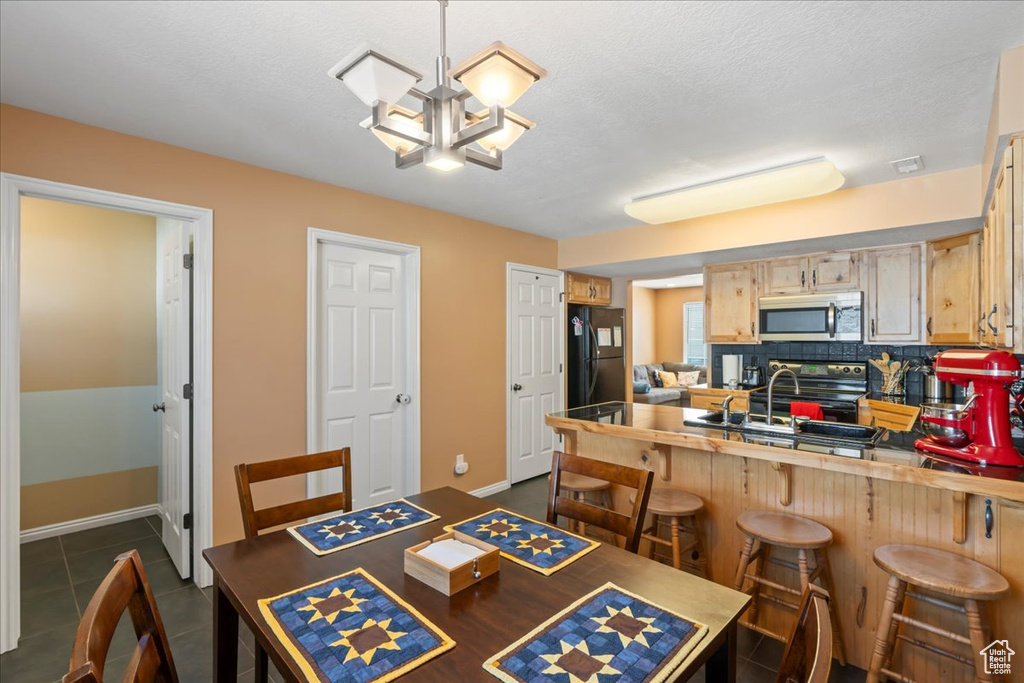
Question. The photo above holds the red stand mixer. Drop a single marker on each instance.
(979, 430)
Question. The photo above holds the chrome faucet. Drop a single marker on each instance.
(771, 386)
(725, 410)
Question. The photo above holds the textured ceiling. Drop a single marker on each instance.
(642, 97)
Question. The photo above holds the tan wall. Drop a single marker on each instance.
(669, 323)
(88, 297)
(644, 331)
(953, 195)
(1007, 115)
(261, 219)
(69, 499)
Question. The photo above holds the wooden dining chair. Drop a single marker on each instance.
(808, 655)
(254, 520)
(628, 526)
(125, 587)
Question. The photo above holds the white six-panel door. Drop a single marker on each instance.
(535, 357)
(175, 471)
(362, 346)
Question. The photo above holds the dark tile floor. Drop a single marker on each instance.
(60, 574)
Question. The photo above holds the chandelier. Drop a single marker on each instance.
(440, 134)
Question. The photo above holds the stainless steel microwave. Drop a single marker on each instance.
(812, 317)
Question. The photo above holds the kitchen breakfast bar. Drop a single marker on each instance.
(868, 496)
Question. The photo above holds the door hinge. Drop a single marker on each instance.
(561, 297)
(186, 392)
(559, 367)
(186, 261)
(186, 521)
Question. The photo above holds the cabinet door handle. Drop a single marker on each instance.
(988, 320)
(872, 327)
(751, 328)
(981, 324)
(929, 326)
(803, 278)
(814, 278)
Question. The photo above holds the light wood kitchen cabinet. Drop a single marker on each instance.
(835, 272)
(711, 399)
(953, 296)
(730, 303)
(892, 283)
(786, 276)
(832, 272)
(998, 256)
(588, 289)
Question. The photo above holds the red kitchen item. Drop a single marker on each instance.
(806, 409)
(992, 373)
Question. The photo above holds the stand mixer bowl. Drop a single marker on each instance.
(946, 423)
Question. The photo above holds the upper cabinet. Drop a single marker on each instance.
(588, 289)
(892, 284)
(730, 303)
(953, 295)
(999, 257)
(832, 272)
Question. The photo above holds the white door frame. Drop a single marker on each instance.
(411, 258)
(12, 188)
(509, 333)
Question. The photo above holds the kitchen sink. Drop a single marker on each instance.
(807, 430)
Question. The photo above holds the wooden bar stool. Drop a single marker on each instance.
(578, 486)
(768, 530)
(947, 574)
(679, 510)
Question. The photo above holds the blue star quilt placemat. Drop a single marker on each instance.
(608, 635)
(352, 528)
(539, 546)
(352, 629)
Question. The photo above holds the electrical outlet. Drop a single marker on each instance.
(461, 466)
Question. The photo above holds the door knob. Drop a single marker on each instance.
(405, 399)
(159, 407)
(517, 387)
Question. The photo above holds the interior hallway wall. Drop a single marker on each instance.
(261, 220)
(669, 321)
(89, 437)
(644, 328)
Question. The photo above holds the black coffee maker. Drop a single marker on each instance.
(753, 376)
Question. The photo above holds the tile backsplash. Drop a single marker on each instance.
(758, 354)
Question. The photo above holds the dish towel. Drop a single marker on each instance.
(811, 410)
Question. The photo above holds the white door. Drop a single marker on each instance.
(535, 369)
(175, 473)
(362, 370)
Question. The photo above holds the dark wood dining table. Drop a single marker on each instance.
(482, 619)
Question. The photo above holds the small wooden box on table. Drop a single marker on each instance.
(451, 581)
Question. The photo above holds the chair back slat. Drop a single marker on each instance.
(808, 654)
(255, 521)
(628, 526)
(124, 587)
(145, 662)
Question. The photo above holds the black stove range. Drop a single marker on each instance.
(835, 386)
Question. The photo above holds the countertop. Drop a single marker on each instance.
(893, 458)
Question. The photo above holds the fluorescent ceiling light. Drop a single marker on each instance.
(805, 179)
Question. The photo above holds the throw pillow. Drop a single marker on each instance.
(656, 380)
(668, 379)
(641, 387)
(688, 379)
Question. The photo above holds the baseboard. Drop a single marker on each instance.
(70, 527)
(491, 490)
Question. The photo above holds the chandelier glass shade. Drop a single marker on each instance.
(440, 134)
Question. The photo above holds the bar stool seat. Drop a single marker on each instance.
(678, 510)
(785, 530)
(966, 583)
(578, 486)
(942, 572)
(768, 531)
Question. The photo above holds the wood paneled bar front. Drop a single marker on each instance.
(868, 498)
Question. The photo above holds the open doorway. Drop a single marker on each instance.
(106, 405)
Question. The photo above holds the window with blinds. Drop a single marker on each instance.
(694, 350)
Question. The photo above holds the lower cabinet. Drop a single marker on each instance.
(711, 399)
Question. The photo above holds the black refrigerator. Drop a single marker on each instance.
(596, 355)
